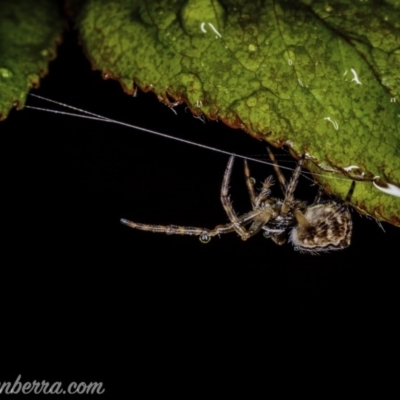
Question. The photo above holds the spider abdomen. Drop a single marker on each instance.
(330, 227)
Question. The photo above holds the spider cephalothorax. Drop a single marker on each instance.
(321, 226)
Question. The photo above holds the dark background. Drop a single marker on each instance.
(77, 278)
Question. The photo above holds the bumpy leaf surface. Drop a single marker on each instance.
(321, 79)
(29, 32)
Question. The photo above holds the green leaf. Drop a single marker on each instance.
(29, 33)
(322, 80)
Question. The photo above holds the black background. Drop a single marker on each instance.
(88, 286)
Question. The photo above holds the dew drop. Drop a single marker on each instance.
(251, 102)
(266, 235)
(385, 187)
(204, 239)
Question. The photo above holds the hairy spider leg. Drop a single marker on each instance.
(289, 190)
(291, 187)
(320, 193)
(262, 215)
(227, 204)
(250, 181)
(205, 234)
(236, 223)
(257, 202)
(267, 183)
(281, 177)
(350, 193)
(347, 200)
(264, 192)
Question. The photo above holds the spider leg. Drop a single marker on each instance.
(226, 203)
(291, 187)
(264, 193)
(319, 195)
(205, 234)
(350, 193)
(301, 219)
(281, 177)
(347, 199)
(236, 223)
(260, 221)
(250, 184)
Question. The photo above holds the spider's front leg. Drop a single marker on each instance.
(256, 217)
(204, 234)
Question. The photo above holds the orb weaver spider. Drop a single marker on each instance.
(319, 227)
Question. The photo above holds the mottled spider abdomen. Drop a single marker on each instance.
(329, 228)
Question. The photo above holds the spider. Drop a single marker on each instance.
(319, 227)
